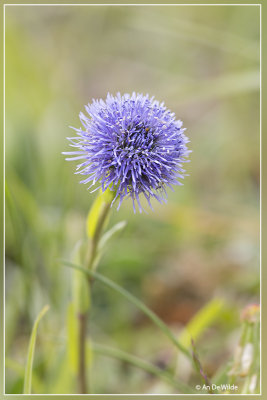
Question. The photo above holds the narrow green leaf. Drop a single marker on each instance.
(150, 314)
(201, 321)
(23, 199)
(19, 370)
(29, 363)
(62, 380)
(110, 233)
(142, 364)
(96, 211)
(14, 217)
(72, 338)
(221, 375)
(93, 215)
(104, 240)
(80, 287)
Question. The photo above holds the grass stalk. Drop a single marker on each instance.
(150, 314)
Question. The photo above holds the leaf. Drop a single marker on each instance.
(62, 380)
(221, 375)
(97, 215)
(201, 321)
(24, 200)
(93, 216)
(72, 341)
(110, 233)
(150, 314)
(104, 240)
(200, 369)
(29, 363)
(19, 370)
(142, 364)
(80, 287)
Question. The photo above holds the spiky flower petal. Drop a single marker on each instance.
(131, 144)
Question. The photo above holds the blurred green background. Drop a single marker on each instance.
(204, 244)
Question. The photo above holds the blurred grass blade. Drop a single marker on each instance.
(150, 314)
(19, 370)
(105, 239)
(72, 339)
(63, 382)
(200, 369)
(110, 233)
(25, 201)
(29, 363)
(221, 375)
(220, 87)
(80, 287)
(14, 218)
(201, 321)
(142, 364)
(199, 33)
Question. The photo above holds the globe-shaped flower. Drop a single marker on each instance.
(132, 145)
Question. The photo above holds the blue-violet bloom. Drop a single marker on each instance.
(131, 144)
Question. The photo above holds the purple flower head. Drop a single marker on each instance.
(132, 145)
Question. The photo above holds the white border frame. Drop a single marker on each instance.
(260, 230)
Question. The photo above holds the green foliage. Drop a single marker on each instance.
(179, 261)
(142, 364)
(245, 368)
(80, 288)
(205, 317)
(30, 356)
(150, 314)
(110, 234)
(72, 340)
(96, 211)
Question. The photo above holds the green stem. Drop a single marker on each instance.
(30, 356)
(83, 317)
(93, 245)
(144, 365)
(135, 301)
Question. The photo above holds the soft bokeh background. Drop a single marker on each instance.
(204, 244)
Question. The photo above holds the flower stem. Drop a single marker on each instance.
(150, 314)
(90, 260)
(92, 253)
